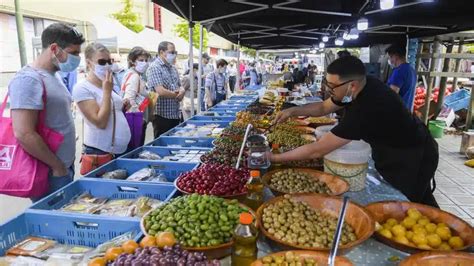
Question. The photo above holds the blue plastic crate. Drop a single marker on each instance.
(82, 231)
(110, 189)
(182, 142)
(457, 100)
(204, 123)
(211, 118)
(224, 108)
(161, 151)
(231, 105)
(170, 169)
(243, 97)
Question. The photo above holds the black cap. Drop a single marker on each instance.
(206, 56)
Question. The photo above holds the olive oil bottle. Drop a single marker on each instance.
(255, 187)
(244, 250)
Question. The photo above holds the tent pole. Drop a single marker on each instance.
(444, 80)
(200, 69)
(191, 58)
(237, 82)
(426, 111)
(458, 63)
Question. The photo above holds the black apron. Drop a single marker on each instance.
(410, 169)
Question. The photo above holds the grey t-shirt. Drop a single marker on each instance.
(26, 91)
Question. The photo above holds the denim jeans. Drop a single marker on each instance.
(55, 183)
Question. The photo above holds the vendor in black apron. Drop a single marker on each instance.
(404, 152)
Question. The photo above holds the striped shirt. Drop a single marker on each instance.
(212, 79)
(166, 75)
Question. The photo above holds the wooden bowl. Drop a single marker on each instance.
(212, 252)
(439, 258)
(321, 258)
(337, 185)
(356, 216)
(383, 210)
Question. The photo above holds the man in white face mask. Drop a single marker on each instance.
(162, 77)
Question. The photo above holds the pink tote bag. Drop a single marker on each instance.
(21, 174)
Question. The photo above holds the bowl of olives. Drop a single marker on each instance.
(301, 180)
(308, 221)
(299, 257)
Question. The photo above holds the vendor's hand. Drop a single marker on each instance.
(271, 156)
(283, 116)
(180, 95)
(59, 171)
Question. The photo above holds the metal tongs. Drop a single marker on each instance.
(337, 235)
(247, 131)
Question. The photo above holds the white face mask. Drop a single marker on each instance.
(141, 66)
(390, 63)
(222, 70)
(101, 71)
(115, 68)
(170, 58)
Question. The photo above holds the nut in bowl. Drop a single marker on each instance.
(305, 257)
(299, 180)
(199, 222)
(308, 221)
(413, 227)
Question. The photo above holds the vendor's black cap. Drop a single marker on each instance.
(206, 56)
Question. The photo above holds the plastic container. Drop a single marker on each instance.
(104, 189)
(83, 231)
(436, 128)
(170, 141)
(457, 100)
(320, 131)
(170, 169)
(350, 162)
(211, 118)
(244, 249)
(165, 152)
(204, 123)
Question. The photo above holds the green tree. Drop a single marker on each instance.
(128, 18)
(182, 30)
(249, 51)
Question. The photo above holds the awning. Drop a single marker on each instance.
(277, 24)
(113, 34)
(150, 39)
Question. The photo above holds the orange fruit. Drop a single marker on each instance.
(148, 241)
(165, 239)
(129, 246)
(112, 253)
(99, 261)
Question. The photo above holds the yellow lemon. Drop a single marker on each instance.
(408, 222)
(444, 246)
(424, 246)
(423, 221)
(442, 225)
(419, 239)
(414, 214)
(386, 233)
(391, 221)
(401, 240)
(430, 228)
(398, 230)
(409, 235)
(434, 240)
(387, 226)
(456, 242)
(444, 233)
(420, 230)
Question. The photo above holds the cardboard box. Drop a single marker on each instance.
(467, 141)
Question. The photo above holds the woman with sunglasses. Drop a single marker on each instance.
(404, 152)
(105, 129)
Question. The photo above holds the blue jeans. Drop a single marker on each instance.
(56, 183)
(219, 98)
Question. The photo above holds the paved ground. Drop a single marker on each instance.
(454, 193)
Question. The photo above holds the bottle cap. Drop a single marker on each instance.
(255, 173)
(246, 218)
(275, 146)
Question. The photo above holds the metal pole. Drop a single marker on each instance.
(458, 62)
(200, 70)
(470, 113)
(442, 85)
(20, 33)
(191, 63)
(237, 82)
(430, 82)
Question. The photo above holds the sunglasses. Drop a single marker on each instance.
(103, 62)
(174, 52)
(325, 83)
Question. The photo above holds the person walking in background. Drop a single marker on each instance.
(186, 103)
(216, 86)
(232, 70)
(61, 47)
(106, 131)
(163, 77)
(403, 78)
(135, 93)
(118, 72)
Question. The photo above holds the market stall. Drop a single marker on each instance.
(125, 203)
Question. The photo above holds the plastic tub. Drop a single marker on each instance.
(83, 231)
(350, 162)
(166, 152)
(170, 141)
(436, 128)
(320, 131)
(211, 118)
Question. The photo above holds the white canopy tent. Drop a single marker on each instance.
(113, 34)
(149, 39)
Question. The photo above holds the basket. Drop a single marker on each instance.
(104, 189)
(457, 100)
(170, 169)
(68, 230)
